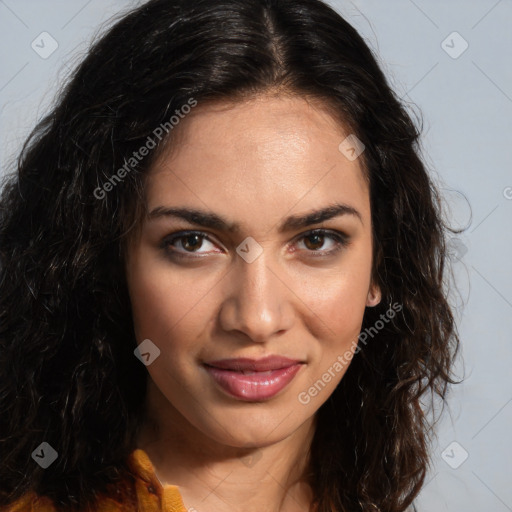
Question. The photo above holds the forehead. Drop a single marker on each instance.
(262, 159)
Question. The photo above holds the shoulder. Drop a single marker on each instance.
(119, 497)
(141, 491)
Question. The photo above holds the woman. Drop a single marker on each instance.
(222, 274)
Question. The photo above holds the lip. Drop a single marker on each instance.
(251, 379)
(254, 365)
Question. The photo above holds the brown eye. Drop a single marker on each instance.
(323, 242)
(187, 244)
(191, 242)
(314, 241)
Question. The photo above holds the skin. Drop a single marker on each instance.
(255, 163)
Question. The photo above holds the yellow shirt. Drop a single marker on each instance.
(151, 495)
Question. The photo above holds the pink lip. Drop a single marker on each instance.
(253, 380)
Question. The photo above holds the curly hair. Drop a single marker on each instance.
(67, 369)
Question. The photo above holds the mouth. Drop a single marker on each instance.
(253, 380)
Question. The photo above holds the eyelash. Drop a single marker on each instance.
(339, 238)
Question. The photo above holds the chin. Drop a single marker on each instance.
(244, 429)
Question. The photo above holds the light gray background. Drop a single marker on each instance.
(466, 104)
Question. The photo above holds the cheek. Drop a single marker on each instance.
(336, 300)
(166, 312)
(164, 301)
(340, 309)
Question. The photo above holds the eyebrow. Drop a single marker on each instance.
(213, 221)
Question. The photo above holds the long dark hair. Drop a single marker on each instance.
(68, 373)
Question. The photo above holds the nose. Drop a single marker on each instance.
(259, 302)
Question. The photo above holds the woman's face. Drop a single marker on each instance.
(251, 281)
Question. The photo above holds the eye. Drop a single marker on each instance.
(187, 242)
(316, 239)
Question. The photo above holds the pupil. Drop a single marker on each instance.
(319, 240)
(196, 245)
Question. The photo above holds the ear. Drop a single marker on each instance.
(374, 296)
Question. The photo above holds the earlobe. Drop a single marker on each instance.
(374, 296)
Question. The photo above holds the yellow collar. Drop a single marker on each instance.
(151, 494)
